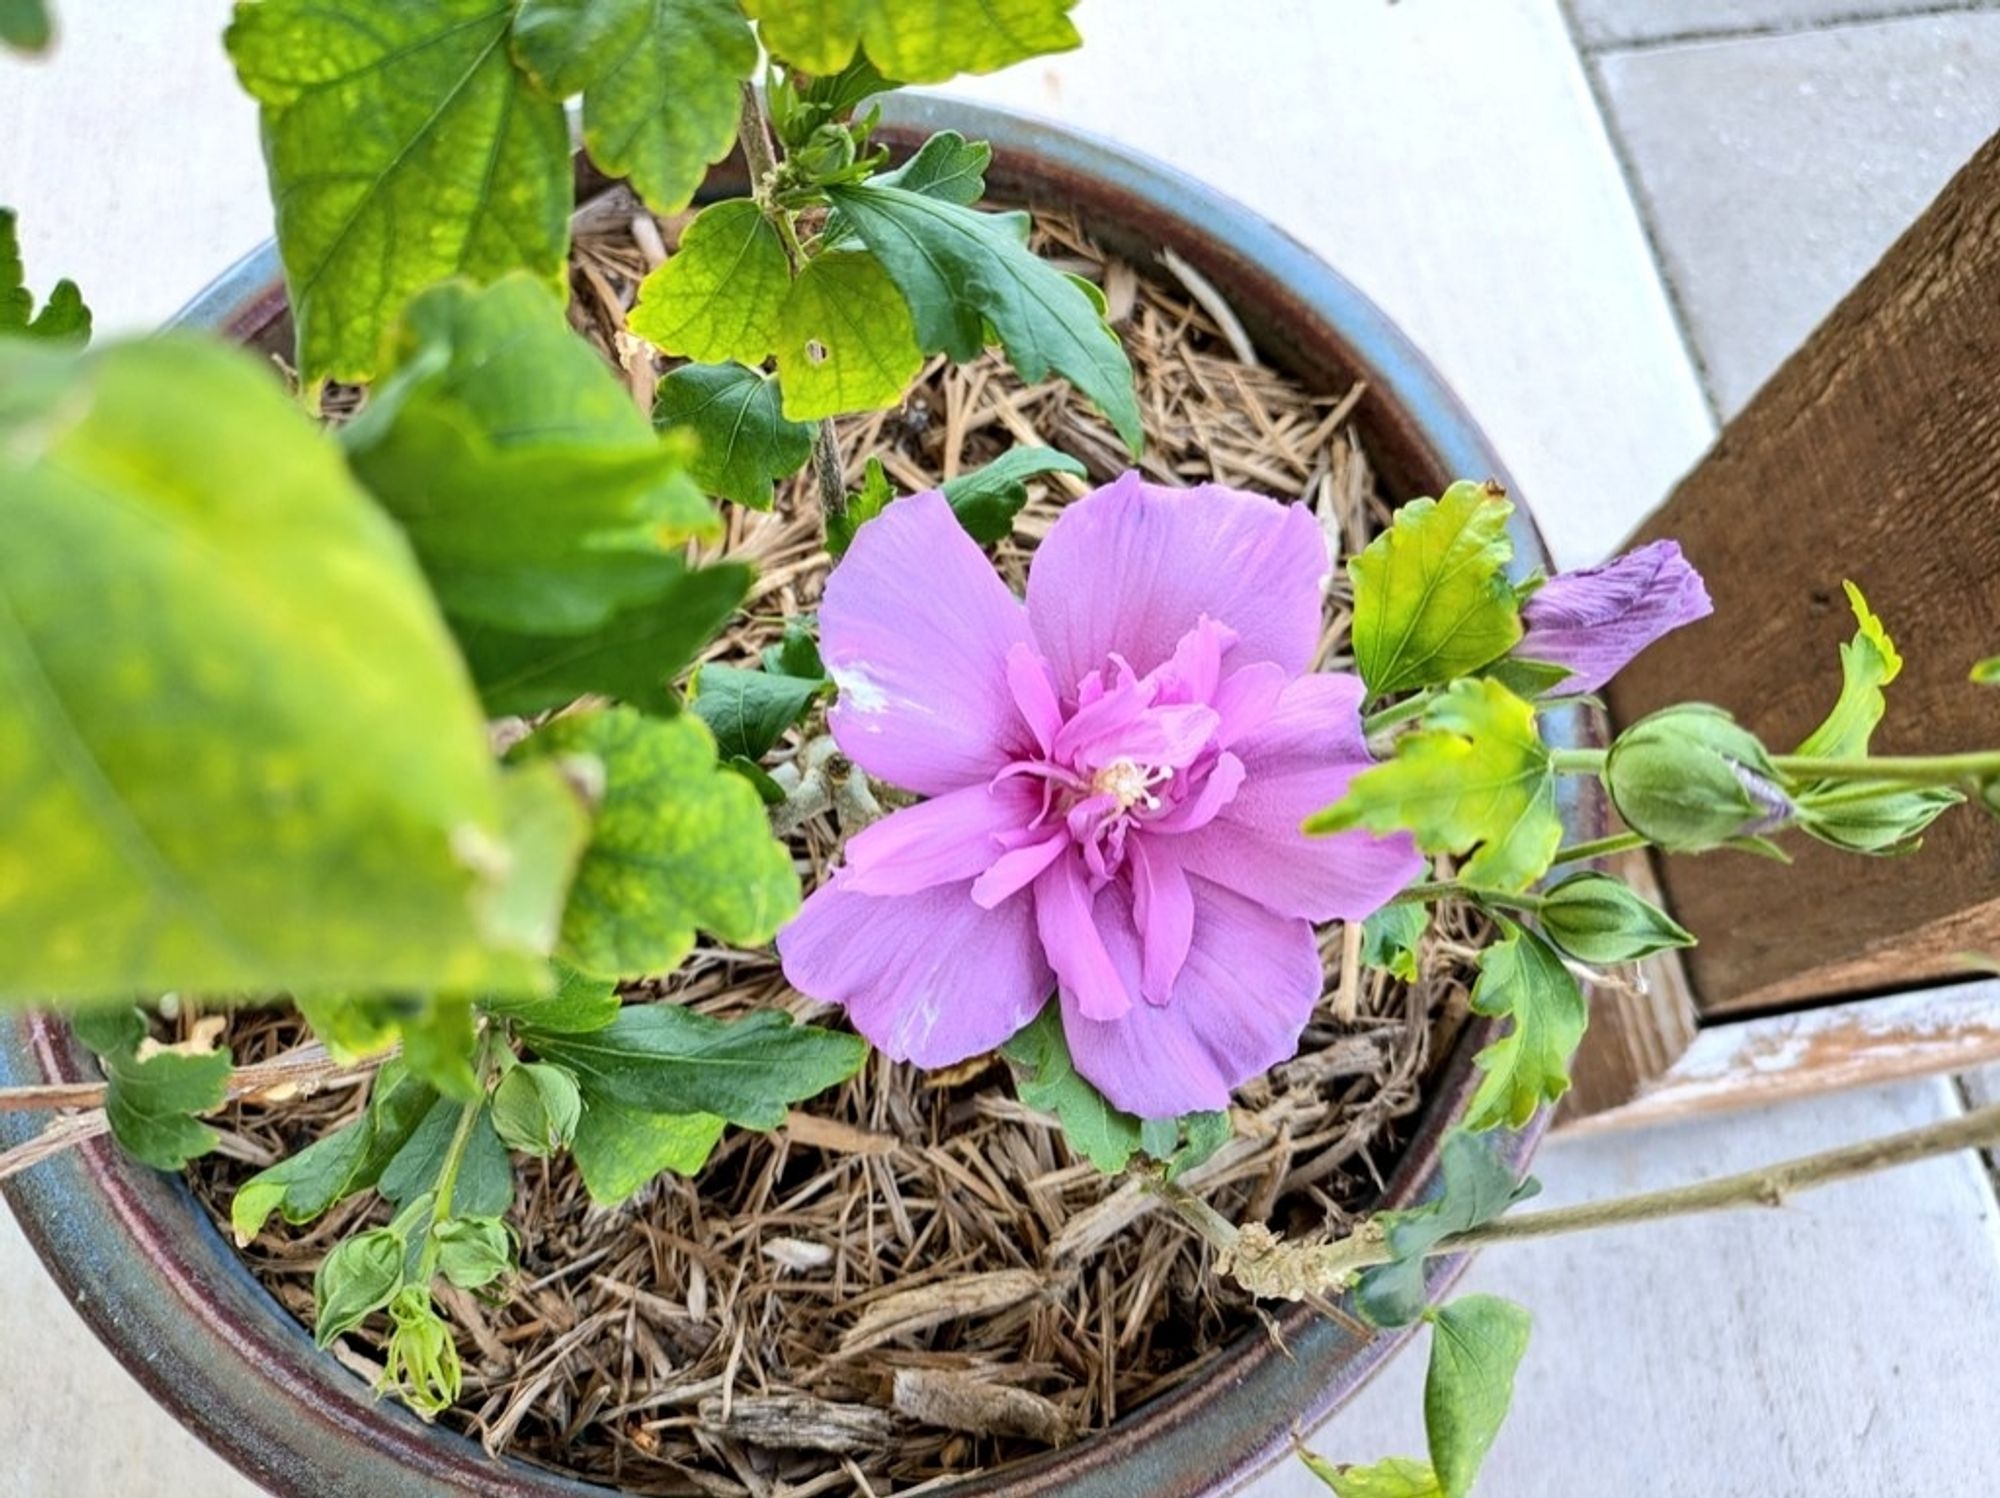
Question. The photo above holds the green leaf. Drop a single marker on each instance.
(152, 1094)
(25, 25)
(485, 1184)
(539, 500)
(962, 271)
(660, 83)
(313, 806)
(63, 318)
(947, 167)
(863, 506)
(473, 1252)
(536, 1109)
(620, 1149)
(718, 297)
(1476, 1188)
(1199, 1136)
(352, 1027)
(1476, 776)
(1986, 673)
(1431, 597)
(634, 656)
(1476, 1344)
(917, 41)
(987, 499)
(1868, 663)
(1598, 919)
(1398, 1477)
(404, 147)
(797, 651)
(1392, 939)
(662, 1058)
(845, 341)
(578, 1005)
(302, 1186)
(680, 843)
(1523, 977)
(749, 711)
(1048, 1081)
(358, 1278)
(438, 1042)
(736, 415)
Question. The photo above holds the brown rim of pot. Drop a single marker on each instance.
(163, 1290)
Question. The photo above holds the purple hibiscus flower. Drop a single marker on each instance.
(1117, 773)
(1596, 620)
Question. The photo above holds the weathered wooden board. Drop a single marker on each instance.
(1873, 454)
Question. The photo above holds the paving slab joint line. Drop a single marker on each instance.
(1766, 30)
(1628, 169)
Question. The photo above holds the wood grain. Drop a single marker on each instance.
(1873, 454)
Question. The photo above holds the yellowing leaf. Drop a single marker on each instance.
(917, 41)
(1431, 597)
(681, 843)
(845, 342)
(1522, 977)
(717, 298)
(403, 147)
(1397, 1477)
(1476, 777)
(1868, 663)
(660, 82)
(312, 805)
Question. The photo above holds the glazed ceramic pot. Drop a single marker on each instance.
(169, 1296)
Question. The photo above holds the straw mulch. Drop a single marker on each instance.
(914, 1279)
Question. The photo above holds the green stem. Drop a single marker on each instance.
(753, 131)
(1932, 769)
(1602, 847)
(1452, 889)
(1577, 761)
(1398, 712)
(447, 1182)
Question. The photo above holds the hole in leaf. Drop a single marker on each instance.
(816, 351)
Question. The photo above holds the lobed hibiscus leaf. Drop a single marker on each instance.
(680, 844)
(749, 711)
(301, 1187)
(1523, 977)
(63, 318)
(917, 41)
(1477, 1342)
(484, 1186)
(962, 271)
(620, 1149)
(579, 1004)
(404, 147)
(153, 1095)
(660, 81)
(717, 298)
(1391, 939)
(863, 505)
(666, 1059)
(1397, 1477)
(844, 340)
(1431, 597)
(987, 499)
(1476, 1188)
(313, 807)
(1476, 778)
(947, 166)
(1049, 1082)
(737, 418)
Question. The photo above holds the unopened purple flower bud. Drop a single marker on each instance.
(1595, 621)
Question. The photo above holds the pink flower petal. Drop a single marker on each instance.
(1133, 567)
(931, 978)
(1075, 946)
(1300, 760)
(1218, 789)
(1163, 912)
(1248, 987)
(945, 840)
(915, 629)
(1034, 694)
(1017, 869)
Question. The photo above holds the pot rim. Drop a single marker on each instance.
(185, 1316)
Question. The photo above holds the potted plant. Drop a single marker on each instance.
(392, 713)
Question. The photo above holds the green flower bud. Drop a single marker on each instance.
(1597, 919)
(473, 1251)
(422, 1362)
(359, 1277)
(1690, 778)
(1886, 825)
(827, 152)
(536, 1108)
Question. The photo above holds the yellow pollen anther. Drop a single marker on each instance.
(1130, 784)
